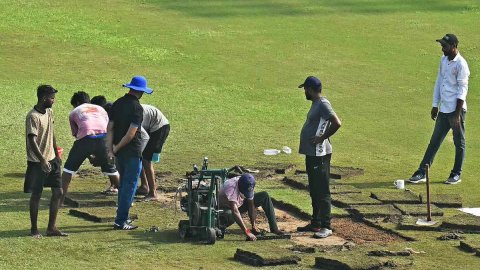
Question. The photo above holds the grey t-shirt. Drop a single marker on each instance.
(317, 122)
(153, 119)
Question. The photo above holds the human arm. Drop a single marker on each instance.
(252, 214)
(46, 167)
(109, 142)
(334, 125)
(73, 125)
(127, 138)
(462, 82)
(238, 219)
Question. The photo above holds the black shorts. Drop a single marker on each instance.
(85, 147)
(36, 179)
(155, 143)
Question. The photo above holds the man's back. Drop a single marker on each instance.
(88, 119)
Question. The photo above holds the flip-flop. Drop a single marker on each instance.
(36, 236)
(56, 233)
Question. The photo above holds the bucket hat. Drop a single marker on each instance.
(139, 83)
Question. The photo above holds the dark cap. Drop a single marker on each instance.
(449, 39)
(44, 90)
(312, 82)
(246, 184)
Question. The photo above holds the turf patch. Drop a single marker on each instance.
(98, 214)
(396, 196)
(470, 246)
(375, 211)
(410, 223)
(443, 200)
(260, 259)
(88, 200)
(360, 263)
(418, 209)
(346, 200)
(463, 222)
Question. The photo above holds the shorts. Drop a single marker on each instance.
(85, 147)
(155, 144)
(36, 179)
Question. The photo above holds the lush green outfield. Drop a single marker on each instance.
(225, 73)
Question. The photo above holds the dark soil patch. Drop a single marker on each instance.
(167, 182)
(15, 175)
(301, 182)
(443, 200)
(86, 199)
(98, 214)
(347, 200)
(374, 211)
(360, 233)
(396, 196)
(367, 263)
(337, 172)
(89, 173)
(418, 209)
(463, 222)
(257, 259)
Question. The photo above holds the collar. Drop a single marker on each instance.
(455, 59)
(35, 108)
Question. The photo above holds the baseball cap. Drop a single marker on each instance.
(449, 39)
(312, 82)
(246, 184)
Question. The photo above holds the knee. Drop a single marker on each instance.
(57, 192)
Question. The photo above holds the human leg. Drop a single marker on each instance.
(262, 199)
(130, 168)
(442, 126)
(150, 177)
(459, 141)
(34, 204)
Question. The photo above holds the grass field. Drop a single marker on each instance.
(225, 73)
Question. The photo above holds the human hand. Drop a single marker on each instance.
(251, 236)
(317, 140)
(434, 113)
(46, 166)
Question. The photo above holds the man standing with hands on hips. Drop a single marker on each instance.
(321, 123)
(449, 94)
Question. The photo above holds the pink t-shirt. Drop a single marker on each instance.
(88, 119)
(230, 192)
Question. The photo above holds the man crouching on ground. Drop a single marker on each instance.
(232, 196)
(43, 161)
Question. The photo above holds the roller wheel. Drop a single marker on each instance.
(211, 236)
(184, 229)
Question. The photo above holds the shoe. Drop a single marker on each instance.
(110, 191)
(308, 228)
(323, 233)
(453, 179)
(417, 177)
(125, 226)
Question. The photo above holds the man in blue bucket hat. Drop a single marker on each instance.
(124, 142)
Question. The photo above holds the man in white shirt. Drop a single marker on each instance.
(450, 95)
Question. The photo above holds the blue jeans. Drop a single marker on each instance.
(443, 124)
(129, 169)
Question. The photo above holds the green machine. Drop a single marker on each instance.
(201, 205)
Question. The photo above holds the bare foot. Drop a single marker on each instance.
(35, 234)
(150, 198)
(278, 232)
(56, 233)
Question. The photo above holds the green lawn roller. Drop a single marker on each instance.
(201, 205)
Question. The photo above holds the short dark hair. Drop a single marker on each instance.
(107, 107)
(45, 89)
(79, 97)
(99, 100)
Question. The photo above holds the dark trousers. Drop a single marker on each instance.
(443, 124)
(261, 199)
(318, 171)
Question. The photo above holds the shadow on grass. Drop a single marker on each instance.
(255, 8)
(67, 229)
(371, 185)
(15, 175)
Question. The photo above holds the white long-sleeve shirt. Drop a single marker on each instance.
(451, 84)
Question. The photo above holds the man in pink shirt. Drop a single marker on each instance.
(88, 123)
(232, 196)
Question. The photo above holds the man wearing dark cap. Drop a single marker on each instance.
(43, 162)
(124, 142)
(321, 123)
(232, 196)
(449, 93)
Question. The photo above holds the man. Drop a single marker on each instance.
(124, 143)
(88, 123)
(43, 162)
(450, 94)
(321, 124)
(232, 196)
(158, 128)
